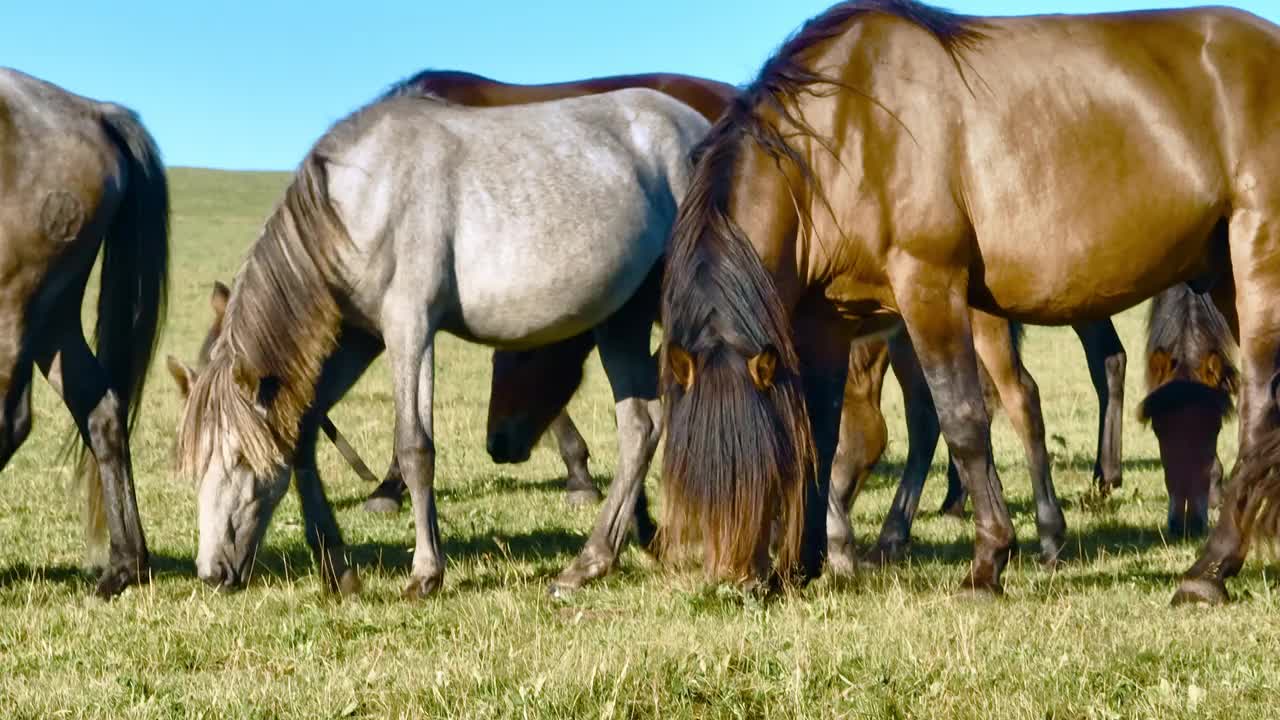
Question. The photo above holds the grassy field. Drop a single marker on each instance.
(1096, 639)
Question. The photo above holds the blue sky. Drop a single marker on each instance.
(250, 85)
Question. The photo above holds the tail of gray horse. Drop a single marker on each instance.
(134, 286)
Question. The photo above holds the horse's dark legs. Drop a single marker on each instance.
(623, 342)
(579, 487)
(99, 414)
(863, 437)
(1020, 397)
(1257, 329)
(934, 305)
(922, 441)
(15, 425)
(1106, 358)
(956, 498)
(340, 373)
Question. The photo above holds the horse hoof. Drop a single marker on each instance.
(114, 580)
(841, 562)
(981, 585)
(420, 588)
(1201, 591)
(583, 497)
(884, 554)
(382, 505)
(953, 511)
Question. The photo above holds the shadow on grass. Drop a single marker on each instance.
(72, 574)
(500, 485)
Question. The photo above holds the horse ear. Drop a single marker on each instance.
(182, 374)
(762, 368)
(218, 300)
(1160, 365)
(1211, 370)
(682, 366)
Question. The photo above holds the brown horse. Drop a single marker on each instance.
(1191, 380)
(77, 175)
(896, 161)
(510, 414)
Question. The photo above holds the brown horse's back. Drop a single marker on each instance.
(708, 97)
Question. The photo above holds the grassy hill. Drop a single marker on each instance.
(1094, 640)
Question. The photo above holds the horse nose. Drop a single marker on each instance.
(221, 577)
(497, 446)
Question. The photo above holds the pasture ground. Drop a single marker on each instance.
(1096, 639)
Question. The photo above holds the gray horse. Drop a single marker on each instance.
(77, 175)
(513, 227)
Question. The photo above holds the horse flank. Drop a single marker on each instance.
(718, 302)
(281, 323)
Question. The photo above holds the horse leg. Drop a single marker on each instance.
(934, 305)
(863, 437)
(623, 342)
(75, 374)
(1257, 326)
(579, 487)
(823, 346)
(922, 441)
(957, 497)
(1106, 359)
(410, 344)
(1020, 397)
(340, 373)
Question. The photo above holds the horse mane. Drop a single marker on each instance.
(1189, 350)
(718, 298)
(281, 323)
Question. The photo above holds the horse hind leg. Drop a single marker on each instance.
(1020, 397)
(623, 342)
(1258, 323)
(580, 489)
(80, 380)
(1106, 359)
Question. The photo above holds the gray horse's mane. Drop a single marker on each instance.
(280, 325)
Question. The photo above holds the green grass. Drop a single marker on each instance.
(1097, 639)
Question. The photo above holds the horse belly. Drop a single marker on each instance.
(553, 277)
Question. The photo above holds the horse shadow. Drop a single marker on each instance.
(162, 565)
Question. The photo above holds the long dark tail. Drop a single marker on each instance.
(134, 286)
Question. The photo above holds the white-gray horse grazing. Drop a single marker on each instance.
(513, 227)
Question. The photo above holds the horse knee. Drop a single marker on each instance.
(637, 429)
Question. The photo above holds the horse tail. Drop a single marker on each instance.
(739, 451)
(133, 289)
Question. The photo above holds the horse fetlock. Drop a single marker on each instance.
(583, 496)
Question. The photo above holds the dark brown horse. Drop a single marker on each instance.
(1191, 381)
(896, 161)
(77, 175)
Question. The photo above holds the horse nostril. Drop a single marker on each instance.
(497, 447)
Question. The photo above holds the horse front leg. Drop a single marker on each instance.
(580, 489)
(341, 371)
(1106, 359)
(409, 336)
(623, 341)
(922, 441)
(934, 304)
(863, 437)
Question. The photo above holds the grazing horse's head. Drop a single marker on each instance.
(1191, 381)
(529, 389)
(244, 409)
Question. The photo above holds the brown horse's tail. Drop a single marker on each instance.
(134, 285)
(739, 453)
